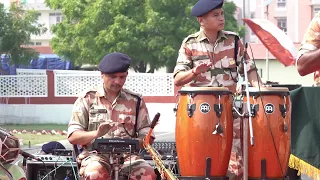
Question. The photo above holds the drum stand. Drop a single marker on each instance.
(245, 124)
(207, 174)
(115, 160)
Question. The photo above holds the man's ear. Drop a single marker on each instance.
(200, 20)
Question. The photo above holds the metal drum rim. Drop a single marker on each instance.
(268, 89)
(210, 89)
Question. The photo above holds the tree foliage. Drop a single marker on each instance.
(149, 31)
(16, 27)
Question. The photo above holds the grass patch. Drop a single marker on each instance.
(31, 127)
(38, 139)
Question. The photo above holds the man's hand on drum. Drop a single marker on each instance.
(201, 68)
(104, 128)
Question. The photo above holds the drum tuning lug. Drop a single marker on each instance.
(285, 127)
(218, 108)
(175, 109)
(191, 108)
(283, 110)
(254, 109)
(219, 129)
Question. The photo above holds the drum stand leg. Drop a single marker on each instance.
(208, 167)
(263, 169)
(207, 174)
(264, 173)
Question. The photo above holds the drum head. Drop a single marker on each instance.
(267, 90)
(205, 90)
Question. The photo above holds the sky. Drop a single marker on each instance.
(5, 2)
(252, 3)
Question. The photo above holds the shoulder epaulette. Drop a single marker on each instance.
(230, 33)
(88, 91)
(194, 35)
(132, 93)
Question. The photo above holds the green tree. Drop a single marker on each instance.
(91, 29)
(16, 27)
(230, 9)
(149, 31)
(171, 21)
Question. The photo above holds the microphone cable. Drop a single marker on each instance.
(70, 161)
(6, 172)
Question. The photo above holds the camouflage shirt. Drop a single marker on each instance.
(310, 42)
(92, 108)
(196, 49)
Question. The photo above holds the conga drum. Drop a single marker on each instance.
(271, 124)
(204, 131)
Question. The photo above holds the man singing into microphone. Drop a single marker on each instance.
(212, 57)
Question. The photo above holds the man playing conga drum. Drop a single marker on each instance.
(212, 57)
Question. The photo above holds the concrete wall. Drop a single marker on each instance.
(61, 113)
(284, 75)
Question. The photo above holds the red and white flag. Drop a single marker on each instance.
(274, 39)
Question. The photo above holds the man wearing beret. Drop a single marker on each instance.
(110, 112)
(212, 57)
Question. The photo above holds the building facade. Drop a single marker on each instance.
(293, 17)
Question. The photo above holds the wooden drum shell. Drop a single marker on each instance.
(195, 140)
(264, 141)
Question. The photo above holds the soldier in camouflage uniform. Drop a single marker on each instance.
(110, 112)
(309, 52)
(15, 170)
(209, 58)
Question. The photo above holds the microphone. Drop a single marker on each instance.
(28, 155)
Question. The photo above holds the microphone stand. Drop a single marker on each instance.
(245, 124)
(24, 164)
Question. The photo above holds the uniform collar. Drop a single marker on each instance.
(202, 36)
(101, 93)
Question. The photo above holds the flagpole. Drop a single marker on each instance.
(267, 51)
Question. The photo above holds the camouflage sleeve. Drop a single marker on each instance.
(144, 122)
(250, 65)
(184, 61)
(16, 172)
(80, 116)
(311, 39)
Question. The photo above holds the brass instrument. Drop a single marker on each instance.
(167, 173)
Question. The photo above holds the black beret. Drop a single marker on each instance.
(114, 63)
(204, 6)
(50, 146)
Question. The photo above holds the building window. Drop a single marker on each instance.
(38, 43)
(282, 24)
(252, 16)
(281, 3)
(30, 44)
(315, 11)
(55, 18)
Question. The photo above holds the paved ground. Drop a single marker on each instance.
(161, 136)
